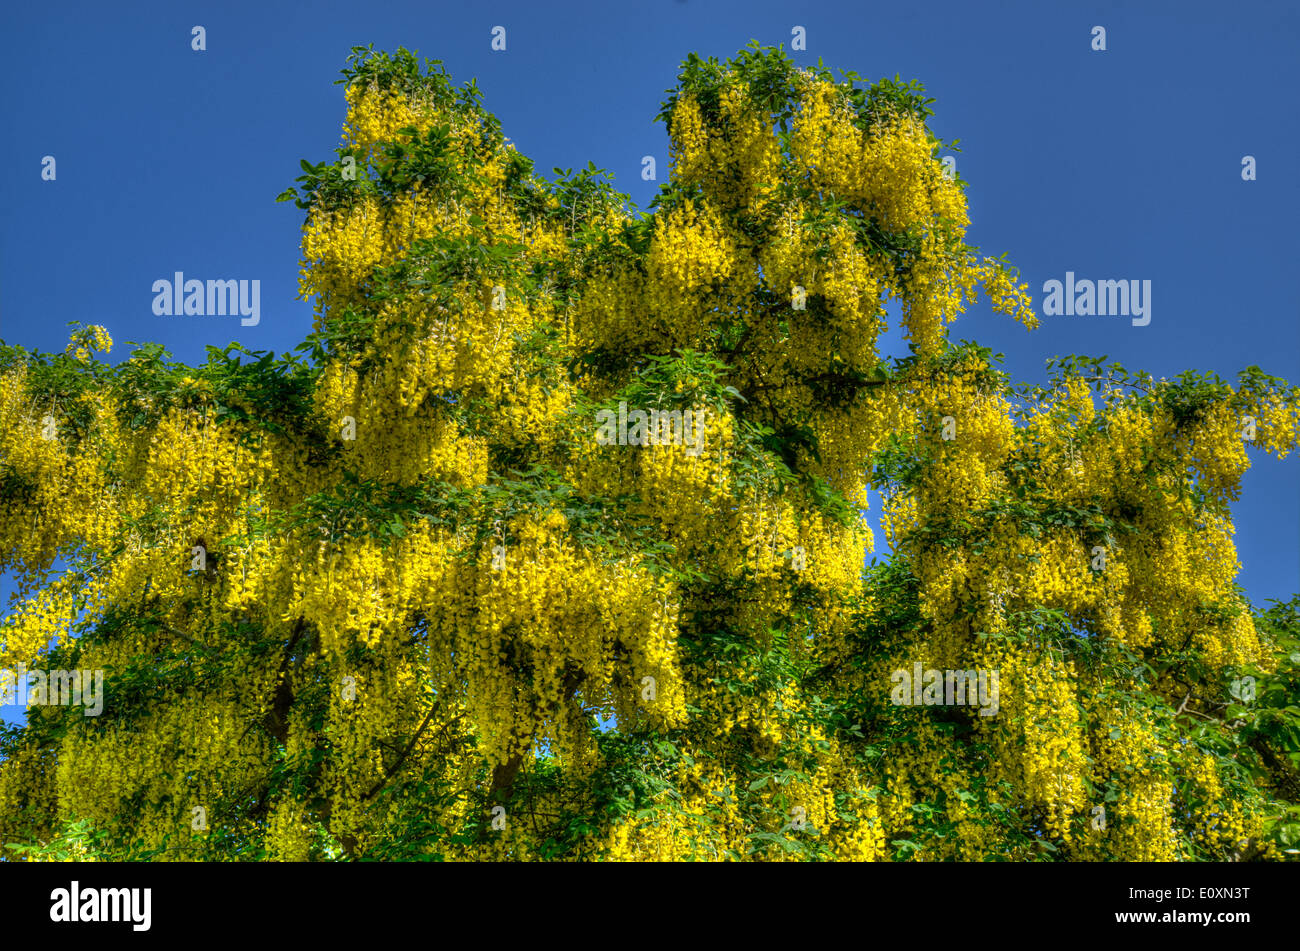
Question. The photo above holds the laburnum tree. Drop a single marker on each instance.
(391, 596)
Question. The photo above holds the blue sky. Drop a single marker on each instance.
(1115, 164)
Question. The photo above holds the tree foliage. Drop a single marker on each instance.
(389, 596)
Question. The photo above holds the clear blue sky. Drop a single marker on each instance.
(1123, 164)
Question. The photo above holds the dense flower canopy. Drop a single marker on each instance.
(391, 597)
